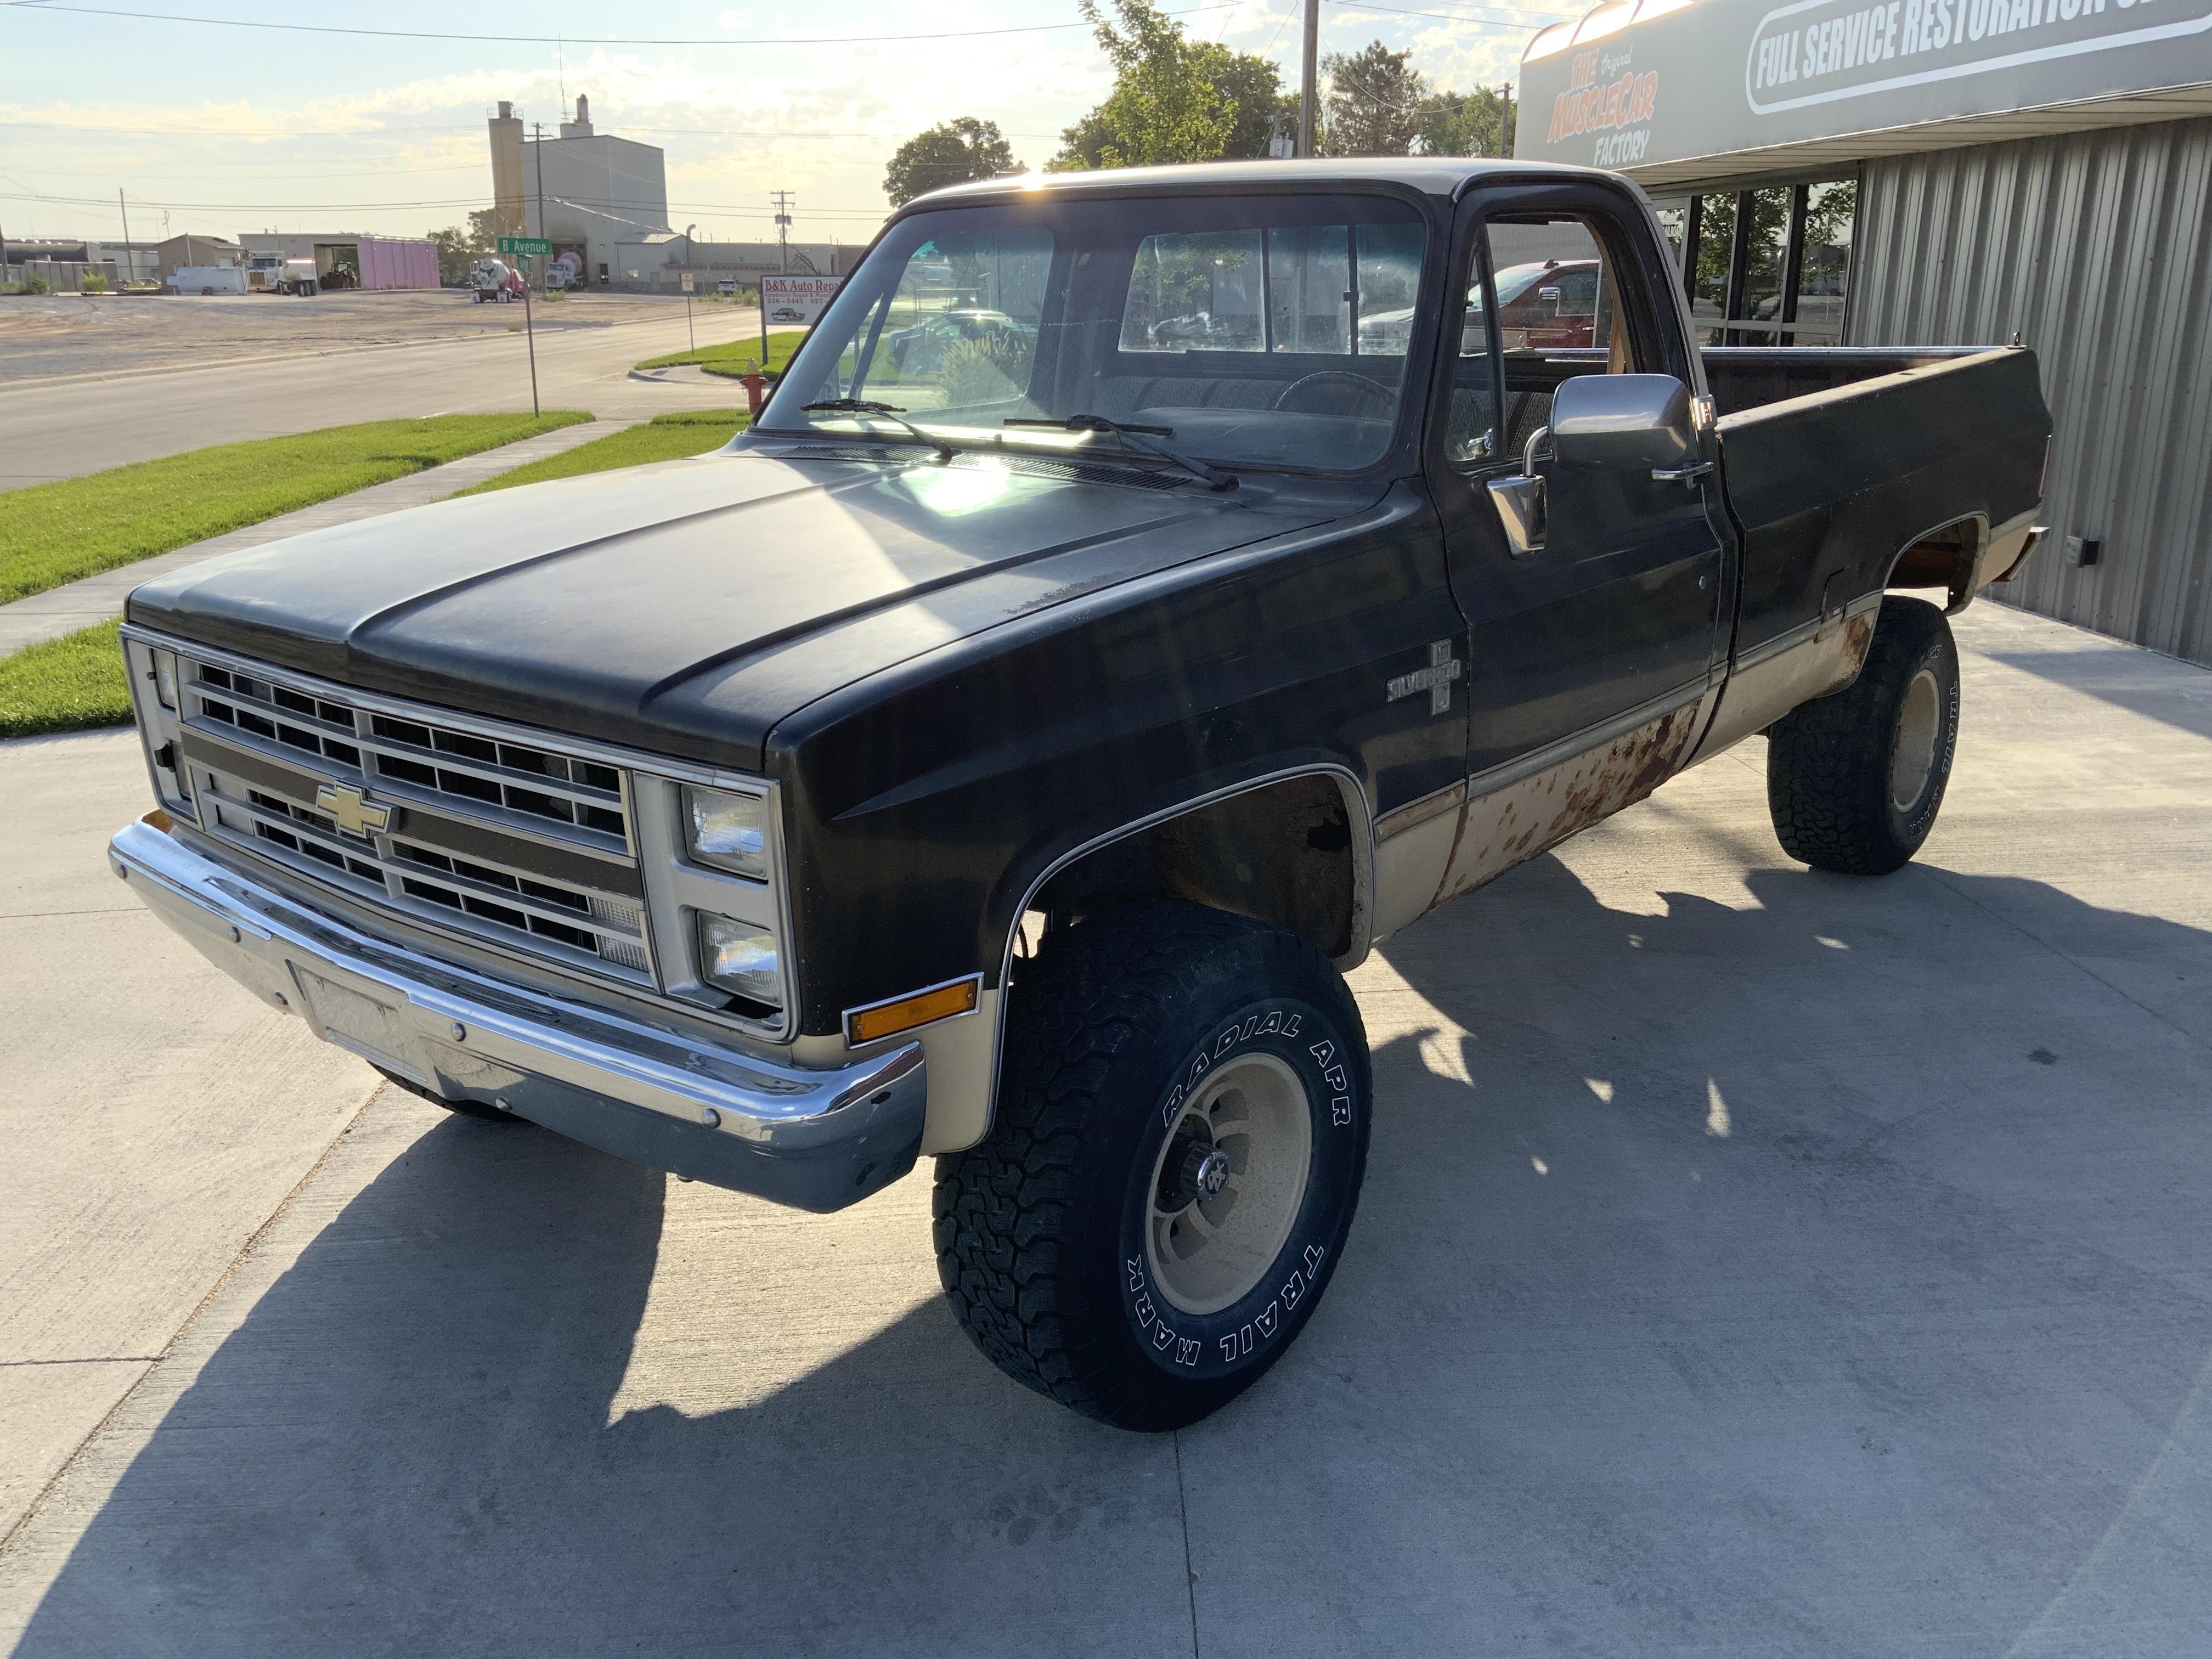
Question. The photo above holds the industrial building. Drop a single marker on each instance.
(657, 263)
(1948, 173)
(605, 200)
(349, 259)
(585, 191)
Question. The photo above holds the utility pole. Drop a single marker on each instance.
(1308, 82)
(130, 264)
(782, 199)
(1505, 119)
(537, 132)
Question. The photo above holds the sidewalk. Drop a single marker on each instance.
(60, 610)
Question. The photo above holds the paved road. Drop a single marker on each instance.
(1752, 1263)
(56, 431)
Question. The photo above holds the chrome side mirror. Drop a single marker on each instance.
(1523, 507)
(1626, 422)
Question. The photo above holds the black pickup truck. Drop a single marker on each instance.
(1000, 752)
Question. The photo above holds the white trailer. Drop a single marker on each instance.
(206, 279)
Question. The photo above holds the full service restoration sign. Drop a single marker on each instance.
(1746, 74)
(796, 298)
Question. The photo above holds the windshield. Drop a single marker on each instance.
(1240, 330)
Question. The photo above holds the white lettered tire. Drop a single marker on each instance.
(1180, 1139)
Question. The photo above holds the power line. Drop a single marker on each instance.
(587, 202)
(402, 132)
(41, 7)
(1537, 20)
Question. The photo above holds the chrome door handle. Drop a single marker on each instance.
(1681, 474)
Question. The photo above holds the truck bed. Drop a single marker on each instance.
(1748, 377)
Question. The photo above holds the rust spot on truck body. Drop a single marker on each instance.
(1508, 825)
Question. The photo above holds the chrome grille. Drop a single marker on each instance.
(539, 785)
(507, 882)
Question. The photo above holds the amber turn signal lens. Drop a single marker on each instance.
(888, 1018)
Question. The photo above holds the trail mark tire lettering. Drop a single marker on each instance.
(1180, 1133)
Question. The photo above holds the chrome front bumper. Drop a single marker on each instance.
(817, 1140)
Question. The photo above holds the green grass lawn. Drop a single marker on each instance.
(53, 533)
(75, 682)
(664, 438)
(738, 356)
(66, 684)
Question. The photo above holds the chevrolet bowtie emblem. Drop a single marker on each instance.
(354, 813)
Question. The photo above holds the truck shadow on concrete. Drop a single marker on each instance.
(1825, 1274)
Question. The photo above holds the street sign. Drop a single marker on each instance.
(796, 299)
(525, 245)
(686, 280)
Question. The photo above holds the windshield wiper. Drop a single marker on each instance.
(1137, 438)
(889, 412)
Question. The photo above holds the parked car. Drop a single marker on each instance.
(1016, 788)
(1548, 306)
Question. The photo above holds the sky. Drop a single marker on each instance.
(213, 127)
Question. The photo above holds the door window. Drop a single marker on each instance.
(1558, 308)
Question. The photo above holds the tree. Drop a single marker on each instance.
(459, 249)
(951, 153)
(1374, 102)
(1173, 99)
(1461, 123)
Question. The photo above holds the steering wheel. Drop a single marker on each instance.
(1360, 384)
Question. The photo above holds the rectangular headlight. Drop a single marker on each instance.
(726, 831)
(740, 957)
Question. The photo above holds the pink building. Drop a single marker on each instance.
(388, 263)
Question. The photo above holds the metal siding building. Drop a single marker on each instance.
(2019, 168)
(2096, 247)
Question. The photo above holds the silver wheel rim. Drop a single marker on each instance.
(1918, 724)
(1250, 1128)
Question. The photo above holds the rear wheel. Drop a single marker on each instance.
(1853, 781)
(1178, 1152)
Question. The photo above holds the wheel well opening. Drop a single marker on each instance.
(1283, 854)
(1945, 557)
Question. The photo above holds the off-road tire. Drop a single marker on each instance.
(1042, 1230)
(1836, 766)
(465, 1108)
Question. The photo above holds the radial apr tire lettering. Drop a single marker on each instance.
(1180, 1135)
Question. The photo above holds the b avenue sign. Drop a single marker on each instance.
(525, 245)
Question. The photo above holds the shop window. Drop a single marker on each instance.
(1769, 267)
(1766, 218)
(1824, 264)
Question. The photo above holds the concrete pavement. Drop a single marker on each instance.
(59, 610)
(1752, 1262)
(59, 430)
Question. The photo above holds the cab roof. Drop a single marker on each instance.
(1444, 176)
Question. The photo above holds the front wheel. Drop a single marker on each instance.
(1177, 1151)
(1854, 781)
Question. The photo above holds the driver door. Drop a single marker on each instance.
(1591, 660)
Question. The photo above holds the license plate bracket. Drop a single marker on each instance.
(376, 1030)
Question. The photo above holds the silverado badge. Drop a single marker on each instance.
(354, 813)
(1436, 679)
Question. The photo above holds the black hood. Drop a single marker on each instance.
(686, 607)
